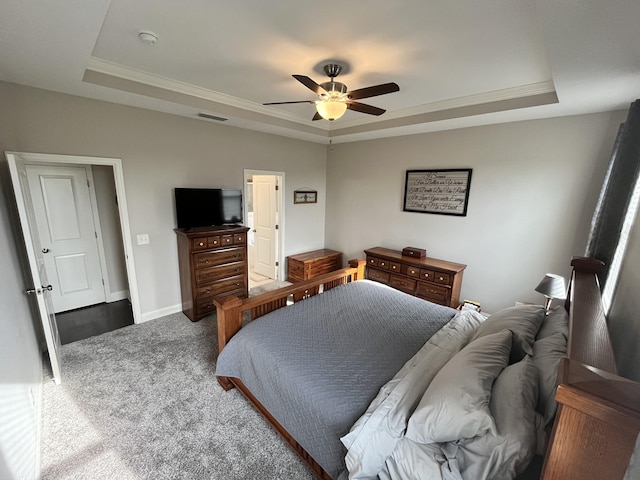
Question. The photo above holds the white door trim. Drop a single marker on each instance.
(118, 174)
(279, 219)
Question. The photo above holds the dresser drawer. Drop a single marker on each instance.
(204, 306)
(199, 243)
(442, 278)
(434, 293)
(426, 275)
(413, 271)
(210, 274)
(219, 257)
(239, 239)
(404, 284)
(373, 261)
(383, 263)
(377, 275)
(395, 267)
(213, 242)
(226, 285)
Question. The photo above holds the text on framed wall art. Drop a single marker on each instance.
(445, 192)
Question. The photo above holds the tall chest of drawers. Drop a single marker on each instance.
(213, 264)
(438, 281)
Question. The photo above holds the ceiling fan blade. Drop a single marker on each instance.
(363, 108)
(310, 84)
(285, 103)
(374, 91)
(317, 116)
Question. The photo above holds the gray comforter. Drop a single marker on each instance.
(318, 364)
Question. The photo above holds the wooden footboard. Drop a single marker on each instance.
(598, 418)
(231, 309)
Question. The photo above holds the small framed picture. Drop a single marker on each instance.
(305, 196)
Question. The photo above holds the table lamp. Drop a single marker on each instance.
(552, 286)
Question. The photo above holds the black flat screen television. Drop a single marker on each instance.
(207, 207)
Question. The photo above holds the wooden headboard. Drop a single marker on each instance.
(598, 418)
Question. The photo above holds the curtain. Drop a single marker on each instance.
(617, 190)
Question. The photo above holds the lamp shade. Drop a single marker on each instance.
(552, 286)
(332, 108)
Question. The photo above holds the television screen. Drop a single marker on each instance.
(206, 207)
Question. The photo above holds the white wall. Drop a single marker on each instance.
(20, 360)
(532, 195)
(116, 273)
(160, 152)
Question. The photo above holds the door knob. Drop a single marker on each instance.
(45, 250)
(29, 291)
(48, 287)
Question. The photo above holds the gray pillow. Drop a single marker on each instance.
(547, 353)
(555, 322)
(456, 403)
(523, 320)
(507, 452)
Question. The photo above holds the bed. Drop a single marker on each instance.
(347, 420)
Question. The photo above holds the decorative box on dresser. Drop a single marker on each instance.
(438, 281)
(213, 264)
(305, 266)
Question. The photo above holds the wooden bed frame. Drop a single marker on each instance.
(598, 418)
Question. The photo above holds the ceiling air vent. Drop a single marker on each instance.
(212, 117)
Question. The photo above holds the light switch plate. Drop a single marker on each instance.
(143, 239)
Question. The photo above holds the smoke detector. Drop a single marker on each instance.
(147, 37)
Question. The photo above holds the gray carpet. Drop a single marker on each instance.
(142, 402)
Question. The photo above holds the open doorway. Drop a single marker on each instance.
(49, 183)
(78, 230)
(265, 219)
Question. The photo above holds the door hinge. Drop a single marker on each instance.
(96, 234)
(103, 282)
(277, 264)
(277, 188)
(88, 185)
(277, 227)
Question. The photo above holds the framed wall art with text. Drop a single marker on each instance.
(444, 192)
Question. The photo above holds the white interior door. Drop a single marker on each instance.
(67, 234)
(38, 275)
(264, 221)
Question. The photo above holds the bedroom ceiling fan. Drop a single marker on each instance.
(334, 99)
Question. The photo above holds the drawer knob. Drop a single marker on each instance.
(207, 292)
(441, 278)
(201, 244)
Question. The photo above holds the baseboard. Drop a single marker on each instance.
(145, 317)
(117, 296)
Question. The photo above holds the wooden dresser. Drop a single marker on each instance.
(213, 264)
(305, 266)
(438, 281)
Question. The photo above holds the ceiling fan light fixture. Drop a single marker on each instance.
(332, 108)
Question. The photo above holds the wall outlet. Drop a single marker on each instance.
(143, 239)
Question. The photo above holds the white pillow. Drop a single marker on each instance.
(524, 321)
(507, 452)
(547, 353)
(456, 403)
